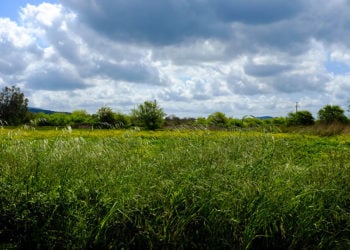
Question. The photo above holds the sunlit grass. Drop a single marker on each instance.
(173, 189)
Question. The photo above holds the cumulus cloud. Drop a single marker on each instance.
(173, 21)
(265, 70)
(195, 57)
(54, 79)
(155, 21)
(17, 46)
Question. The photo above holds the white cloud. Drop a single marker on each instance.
(44, 14)
(11, 33)
(200, 57)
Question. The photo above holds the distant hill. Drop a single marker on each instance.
(265, 117)
(45, 111)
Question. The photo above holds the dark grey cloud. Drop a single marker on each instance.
(14, 60)
(328, 21)
(10, 64)
(90, 55)
(248, 88)
(299, 83)
(54, 79)
(300, 22)
(174, 21)
(255, 11)
(265, 70)
(135, 72)
(65, 45)
(175, 28)
(194, 55)
(155, 21)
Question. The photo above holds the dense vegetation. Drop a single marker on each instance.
(213, 182)
(107, 189)
(150, 116)
(13, 106)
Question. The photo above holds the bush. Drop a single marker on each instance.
(300, 118)
(218, 119)
(80, 117)
(122, 121)
(234, 122)
(148, 115)
(13, 106)
(106, 115)
(332, 114)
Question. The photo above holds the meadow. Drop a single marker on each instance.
(115, 189)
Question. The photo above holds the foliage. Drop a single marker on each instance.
(201, 121)
(55, 119)
(13, 111)
(13, 106)
(148, 115)
(174, 121)
(122, 121)
(179, 190)
(106, 115)
(218, 119)
(234, 122)
(333, 129)
(278, 121)
(331, 114)
(251, 122)
(80, 117)
(300, 118)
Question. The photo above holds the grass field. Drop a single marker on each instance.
(109, 189)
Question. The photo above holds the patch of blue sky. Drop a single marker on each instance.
(337, 67)
(11, 8)
(184, 78)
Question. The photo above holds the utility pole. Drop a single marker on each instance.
(296, 107)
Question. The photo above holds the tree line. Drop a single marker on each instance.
(149, 115)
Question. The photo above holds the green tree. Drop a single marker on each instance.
(278, 121)
(332, 114)
(59, 119)
(300, 118)
(106, 115)
(218, 119)
(201, 121)
(80, 117)
(234, 122)
(251, 121)
(13, 106)
(122, 121)
(148, 115)
(42, 119)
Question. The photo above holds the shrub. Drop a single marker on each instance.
(300, 118)
(330, 114)
(106, 115)
(122, 121)
(148, 115)
(218, 119)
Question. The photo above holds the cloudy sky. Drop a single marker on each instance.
(195, 57)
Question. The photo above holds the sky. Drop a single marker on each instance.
(195, 57)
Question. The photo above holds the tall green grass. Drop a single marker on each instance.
(196, 190)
